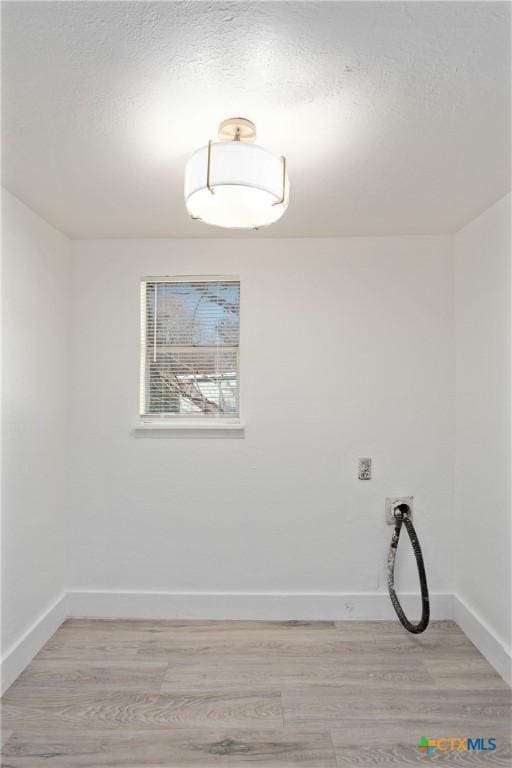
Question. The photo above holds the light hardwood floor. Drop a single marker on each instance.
(312, 694)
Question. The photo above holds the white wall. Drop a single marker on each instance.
(36, 279)
(347, 351)
(482, 488)
(358, 337)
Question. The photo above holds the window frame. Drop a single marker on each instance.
(203, 425)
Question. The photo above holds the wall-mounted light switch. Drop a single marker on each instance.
(364, 469)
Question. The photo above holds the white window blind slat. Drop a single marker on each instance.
(190, 333)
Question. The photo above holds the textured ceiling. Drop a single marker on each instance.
(394, 116)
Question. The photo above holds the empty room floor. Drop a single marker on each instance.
(200, 693)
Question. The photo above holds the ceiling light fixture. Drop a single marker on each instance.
(234, 183)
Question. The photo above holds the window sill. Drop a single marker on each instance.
(189, 429)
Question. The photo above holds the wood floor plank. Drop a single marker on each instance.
(400, 755)
(388, 732)
(98, 674)
(278, 748)
(461, 655)
(89, 648)
(424, 643)
(197, 626)
(260, 672)
(466, 673)
(373, 743)
(159, 642)
(269, 644)
(5, 735)
(322, 705)
(96, 635)
(83, 709)
(394, 627)
(441, 636)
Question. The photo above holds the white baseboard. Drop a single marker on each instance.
(19, 655)
(248, 605)
(483, 637)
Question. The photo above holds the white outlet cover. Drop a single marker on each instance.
(391, 503)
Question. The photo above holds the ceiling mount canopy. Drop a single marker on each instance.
(235, 183)
(237, 129)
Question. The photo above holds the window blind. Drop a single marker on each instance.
(190, 348)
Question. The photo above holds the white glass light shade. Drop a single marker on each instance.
(247, 183)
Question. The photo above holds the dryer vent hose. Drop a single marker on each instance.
(403, 517)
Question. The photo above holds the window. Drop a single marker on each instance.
(190, 349)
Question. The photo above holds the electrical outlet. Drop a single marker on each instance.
(391, 504)
(364, 469)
